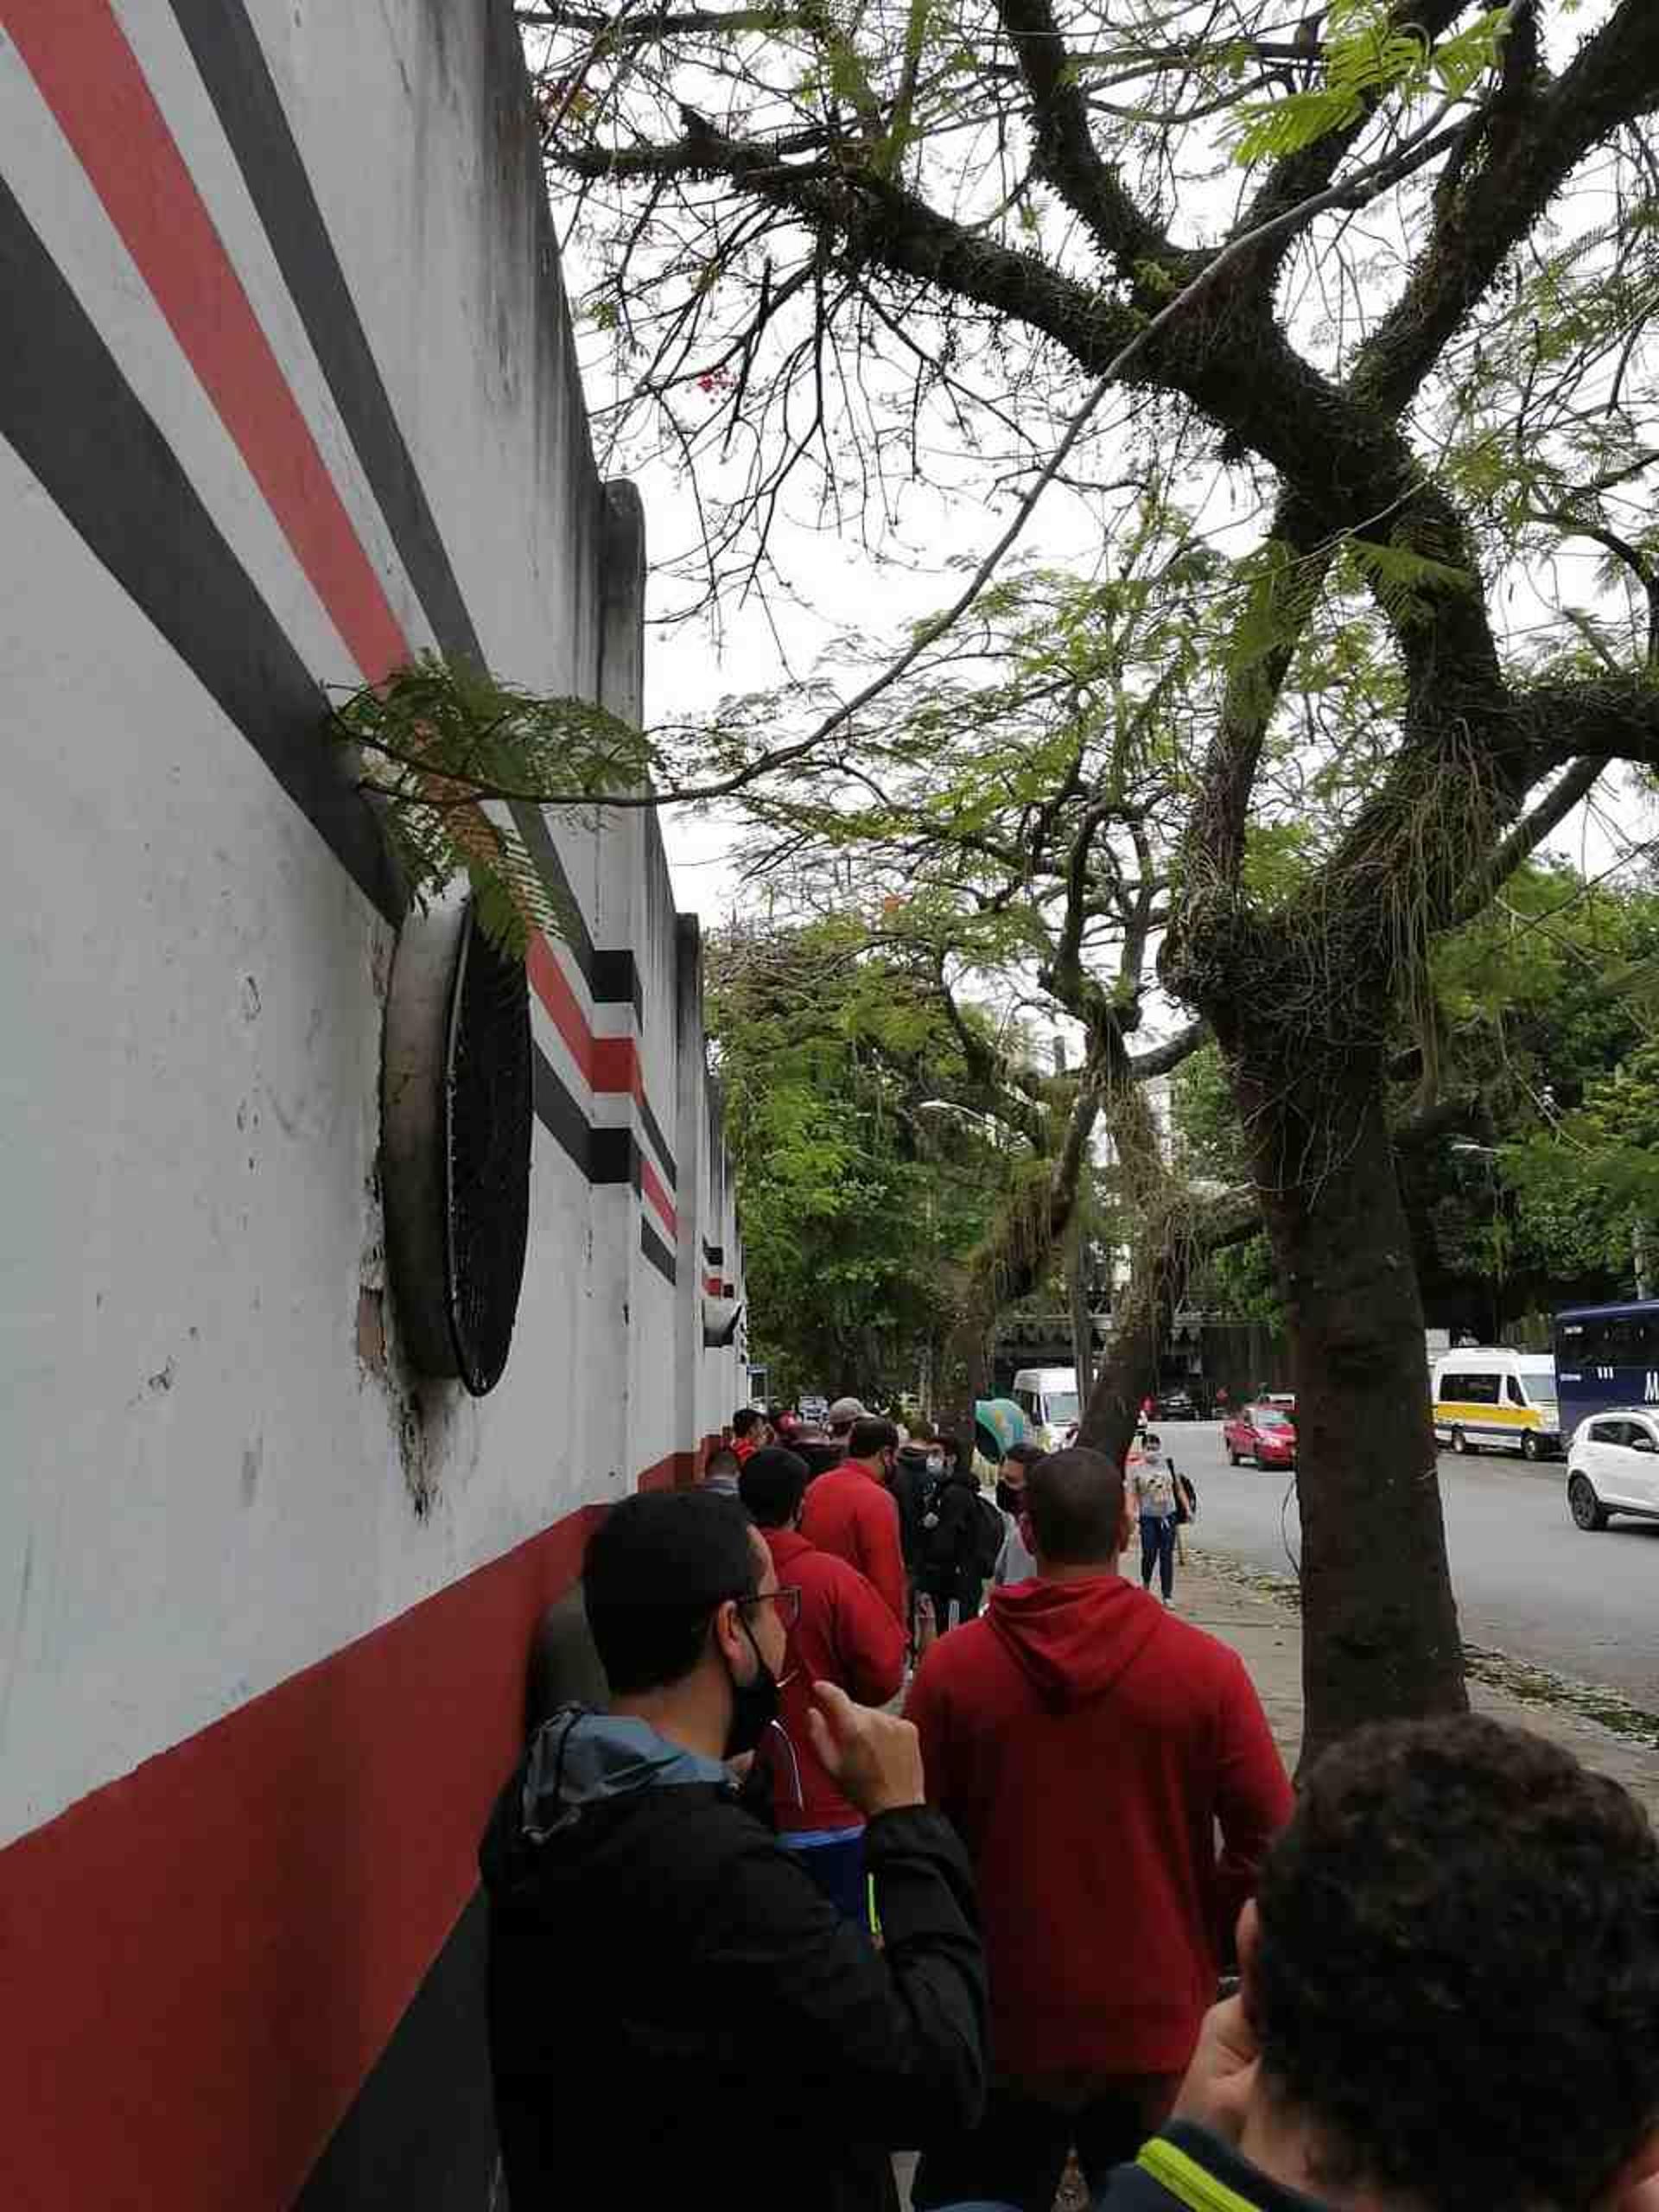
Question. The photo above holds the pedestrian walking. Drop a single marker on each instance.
(1015, 1562)
(720, 1471)
(1088, 1746)
(851, 1511)
(843, 1633)
(956, 1538)
(1159, 1504)
(750, 1431)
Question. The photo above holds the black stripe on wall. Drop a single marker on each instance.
(420, 2130)
(78, 425)
(657, 1253)
(654, 1131)
(601, 1154)
(233, 67)
(558, 1112)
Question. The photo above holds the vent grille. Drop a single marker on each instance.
(488, 1133)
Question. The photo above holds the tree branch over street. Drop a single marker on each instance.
(1415, 331)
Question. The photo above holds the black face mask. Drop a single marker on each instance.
(755, 1705)
(1010, 1499)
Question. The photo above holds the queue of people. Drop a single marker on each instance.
(782, 1932)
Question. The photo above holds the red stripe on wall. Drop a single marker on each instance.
(651, 1184)
(609, 1065)
(79, 56)
(203, 1960)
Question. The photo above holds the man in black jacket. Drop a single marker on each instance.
(658, 1962)
(949, 1544)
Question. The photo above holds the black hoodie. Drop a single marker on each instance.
(677, 2015)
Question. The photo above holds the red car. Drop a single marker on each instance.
(1264, 1433)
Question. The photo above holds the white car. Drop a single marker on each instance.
(1612, 1466)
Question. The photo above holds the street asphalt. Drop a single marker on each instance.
(1528, 1582)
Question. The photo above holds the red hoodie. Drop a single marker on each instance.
(849, 1513)
(1085, 1744)
(845, 1634)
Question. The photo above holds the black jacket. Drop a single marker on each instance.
(679, 2015)
(909, 1481)
(949, 1549)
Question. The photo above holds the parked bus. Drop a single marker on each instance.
(1607, 1356)
(1488, 1398)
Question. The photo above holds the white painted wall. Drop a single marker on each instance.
(206, 1488)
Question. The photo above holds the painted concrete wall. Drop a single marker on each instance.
(292, 396)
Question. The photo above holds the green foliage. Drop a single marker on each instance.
(441, 740)
(862, 1180)
(1592, 1181)
(1546, 1005)
(1241, 1282)
(1366, 58)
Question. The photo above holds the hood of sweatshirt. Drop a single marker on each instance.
(578, 1762)
(1074, 1639)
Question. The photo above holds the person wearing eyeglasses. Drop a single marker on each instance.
(658, 1962)
(844, 1633)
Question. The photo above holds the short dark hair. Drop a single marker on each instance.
(771, 1484)
(745, 1419)
(1025, 1453)
(656, 1568)
(950, 1446)
(1075, 1499)
(721, 1458)
(871, 1436)
(922, 1431)
(1458, 1885)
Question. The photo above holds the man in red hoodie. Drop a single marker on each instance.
(843, 1634)
(1085, 1744)
(852, 1512)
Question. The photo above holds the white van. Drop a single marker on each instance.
(1489, 1399)
(1048, 1398)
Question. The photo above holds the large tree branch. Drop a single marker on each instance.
(1537, 137)
(1524, 839)
(1165, 1059)
(1065, 155)
(1615, 717)
(1298, 176)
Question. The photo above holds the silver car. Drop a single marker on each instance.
(1612, 1466)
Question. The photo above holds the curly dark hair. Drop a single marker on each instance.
(1457, 1980)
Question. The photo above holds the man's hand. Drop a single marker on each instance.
(1222, 2078)
(875, 1758)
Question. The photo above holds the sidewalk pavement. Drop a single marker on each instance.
(1265, 1629)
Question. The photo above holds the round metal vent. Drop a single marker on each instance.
(455, 1145)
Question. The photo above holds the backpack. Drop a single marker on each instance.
(990, 1533)
(932, 1539)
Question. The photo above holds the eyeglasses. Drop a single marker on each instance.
(787, 1600)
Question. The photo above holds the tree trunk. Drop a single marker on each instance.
(1015, 1256)
(1379, 1622)
(1083, 1326)
(1140, 1323)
